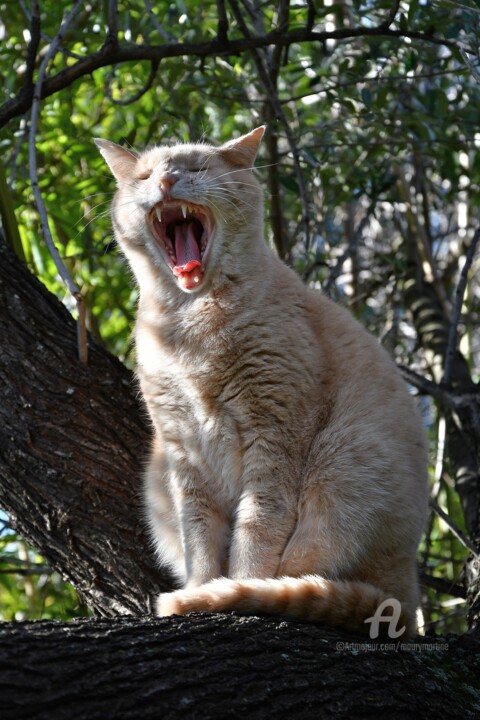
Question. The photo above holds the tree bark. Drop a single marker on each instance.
(227, 666)
(73, 438)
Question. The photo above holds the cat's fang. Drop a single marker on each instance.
(184, 210)
(158, 213)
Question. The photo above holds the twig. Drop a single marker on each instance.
(457, 309)
(133, 98)
(311, 15)
(42, 211)
(469, 63)
(278, 113)
(446, 587)
(418, 232)
(427, 386)
(466, 542)
(112, 22)
(222, 27)
(158, 27)
(335, 272)
(385, 25)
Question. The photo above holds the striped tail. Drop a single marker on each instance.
(311, 598)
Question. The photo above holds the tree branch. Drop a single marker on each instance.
(466, 542)
(112, 21)
(459, 294)
(160, 29)
(385, 25)
(222, 27)
(111, 54)
(73, 439)
(335, 272)
(207, 667)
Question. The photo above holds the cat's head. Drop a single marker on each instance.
(186, 207)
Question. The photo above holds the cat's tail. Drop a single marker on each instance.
(352, 605)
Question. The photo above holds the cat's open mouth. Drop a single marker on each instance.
(182, 231)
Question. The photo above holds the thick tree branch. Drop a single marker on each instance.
(206, 667)
(73, 440)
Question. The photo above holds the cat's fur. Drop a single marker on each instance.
(288, 470)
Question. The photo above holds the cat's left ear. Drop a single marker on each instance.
(120, 160)
(243, 150)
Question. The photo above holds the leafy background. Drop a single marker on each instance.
(387, 135)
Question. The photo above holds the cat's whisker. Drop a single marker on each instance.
(88, 197)
(222, 217)
(227, 195)
(242, 186)
(234, 191)
(97, 216)
(94, 207)
(234, 205)
(257, 167)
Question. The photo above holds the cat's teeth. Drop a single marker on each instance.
(159, 213)
(184, 209)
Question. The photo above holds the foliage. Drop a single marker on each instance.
(28, 588)
(373, 163)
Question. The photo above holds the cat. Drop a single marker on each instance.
(289, 464)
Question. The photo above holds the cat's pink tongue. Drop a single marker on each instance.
(188, 269)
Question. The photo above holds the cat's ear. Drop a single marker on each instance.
(120, 160)
(243, 150)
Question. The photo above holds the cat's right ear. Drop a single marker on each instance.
(120, 160)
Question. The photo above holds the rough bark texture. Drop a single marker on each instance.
(72, 441)
(228, 667)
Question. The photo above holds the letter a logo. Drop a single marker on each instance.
(392, 619)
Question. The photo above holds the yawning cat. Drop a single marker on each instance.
(288, 469)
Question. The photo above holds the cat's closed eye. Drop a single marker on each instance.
(144, 175)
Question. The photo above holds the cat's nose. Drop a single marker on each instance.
(166, 182)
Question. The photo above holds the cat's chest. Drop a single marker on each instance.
(183, 383)
(184, 401)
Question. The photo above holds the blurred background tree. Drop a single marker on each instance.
(371, 170)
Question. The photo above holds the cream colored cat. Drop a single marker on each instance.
(288, 470)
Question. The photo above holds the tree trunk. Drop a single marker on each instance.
(72, 441)
(228, 666)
